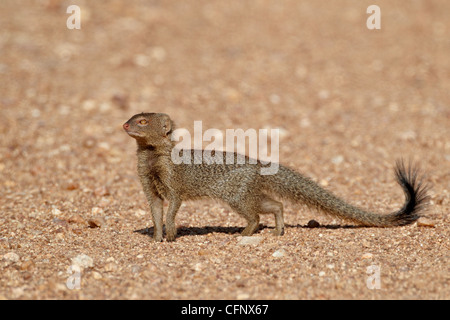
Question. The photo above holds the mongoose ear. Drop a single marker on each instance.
(167, 125)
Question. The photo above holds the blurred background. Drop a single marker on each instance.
(310, 68)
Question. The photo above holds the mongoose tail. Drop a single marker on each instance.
(293, 186)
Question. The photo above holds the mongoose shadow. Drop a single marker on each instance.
(199, 231)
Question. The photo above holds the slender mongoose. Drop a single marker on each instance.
(242, 186)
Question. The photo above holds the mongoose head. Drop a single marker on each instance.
(150, 129)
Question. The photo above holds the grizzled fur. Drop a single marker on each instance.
(242, 186)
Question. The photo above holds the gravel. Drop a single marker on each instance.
(349, 101)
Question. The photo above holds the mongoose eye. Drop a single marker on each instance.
(143, 122)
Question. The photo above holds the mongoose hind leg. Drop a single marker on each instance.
(268, 205)
(248, 211)
(252, 226)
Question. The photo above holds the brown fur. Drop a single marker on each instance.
(242, 186)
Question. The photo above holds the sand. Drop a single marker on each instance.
(349, 102)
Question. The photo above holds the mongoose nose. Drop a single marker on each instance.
(126, 126)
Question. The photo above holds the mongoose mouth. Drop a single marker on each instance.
(134, 134)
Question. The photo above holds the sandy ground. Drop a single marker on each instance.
(349, 101)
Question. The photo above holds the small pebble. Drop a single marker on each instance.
(101, 191)
(313, 224)
(249, 240)
(76, 219)
(279, 253)
(337, 159)
(198, 266)
(83, 261)
(96, 222)
(140, 213)
(11, 257)
(111, 267)
(56, 211)
(96, 210)
(242, 296)
(367, 256)
(425, 222)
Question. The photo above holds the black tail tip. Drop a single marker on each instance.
(416, 193)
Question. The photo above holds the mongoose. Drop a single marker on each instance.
(242, 186)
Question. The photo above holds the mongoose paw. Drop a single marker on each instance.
(246, 233)
(277, 232)
(170, 237)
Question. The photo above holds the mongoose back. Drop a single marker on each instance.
(242, 186)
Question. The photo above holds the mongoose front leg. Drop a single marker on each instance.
(253, 224)
(155, 202)
(156, 206)
(171, 230)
